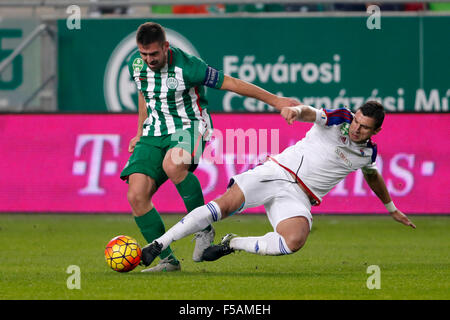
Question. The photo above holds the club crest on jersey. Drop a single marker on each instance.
(344, 129)
(344, 139)
(172, 83)
(138, 64)
(362, 152)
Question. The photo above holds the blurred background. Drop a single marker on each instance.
(68, 107)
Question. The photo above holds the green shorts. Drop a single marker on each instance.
(149, 153)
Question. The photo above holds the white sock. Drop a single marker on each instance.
(272, 244)
(197, 220)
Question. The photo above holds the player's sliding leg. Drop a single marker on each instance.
(289, 237)
(272, 244)
(195, 221)
(190, 190)
(141, 188)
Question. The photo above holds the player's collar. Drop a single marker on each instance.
(169, 56)
(362, 144)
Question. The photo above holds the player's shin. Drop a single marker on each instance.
(197, 220)
(151, 227)
(272, 244)
(190, 191)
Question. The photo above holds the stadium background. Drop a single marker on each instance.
(68, 108)
(72, 69)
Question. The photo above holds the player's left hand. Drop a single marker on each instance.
(132, 143)
(402, 218)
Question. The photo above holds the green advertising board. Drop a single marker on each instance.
(322, 61)
(23, 75)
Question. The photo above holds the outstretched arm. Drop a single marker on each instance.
(376, 183)
(247, 89)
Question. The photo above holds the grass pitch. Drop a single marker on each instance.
(415, 264)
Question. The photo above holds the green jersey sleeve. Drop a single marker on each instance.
(196, 72)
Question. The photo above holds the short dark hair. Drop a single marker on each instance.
(150, 32)
(375, 110)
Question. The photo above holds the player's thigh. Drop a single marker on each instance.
(290, 215)
(279, 209)
(184, 149)
(176, 161)
(146, 159)
(258, 185)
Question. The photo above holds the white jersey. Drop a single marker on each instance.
(326, 155)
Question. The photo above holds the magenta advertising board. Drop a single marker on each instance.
(71, 163)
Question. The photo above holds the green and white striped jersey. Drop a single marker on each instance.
(175, 95)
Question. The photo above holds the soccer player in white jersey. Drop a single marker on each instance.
(173, 127)
(289, 183)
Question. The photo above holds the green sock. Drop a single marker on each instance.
(152, 227)
(191, 192)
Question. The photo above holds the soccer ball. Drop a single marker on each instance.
(123, 253)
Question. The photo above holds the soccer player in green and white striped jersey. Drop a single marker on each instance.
(173, 127)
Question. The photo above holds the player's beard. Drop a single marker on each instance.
(159, 64)
(354, 137)
(358, 138)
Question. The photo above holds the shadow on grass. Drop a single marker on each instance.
(234, 275)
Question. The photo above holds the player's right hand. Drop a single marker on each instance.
(132, 144)
(402, 218)
(289, 114)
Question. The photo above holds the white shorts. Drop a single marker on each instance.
(272, 186)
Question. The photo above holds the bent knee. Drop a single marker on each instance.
(170, 168)
(295, 231)
(175, 172)
(295, 242)
(138, 198)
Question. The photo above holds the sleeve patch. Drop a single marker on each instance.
(338, 116)
(211, 77)
(321, 117)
